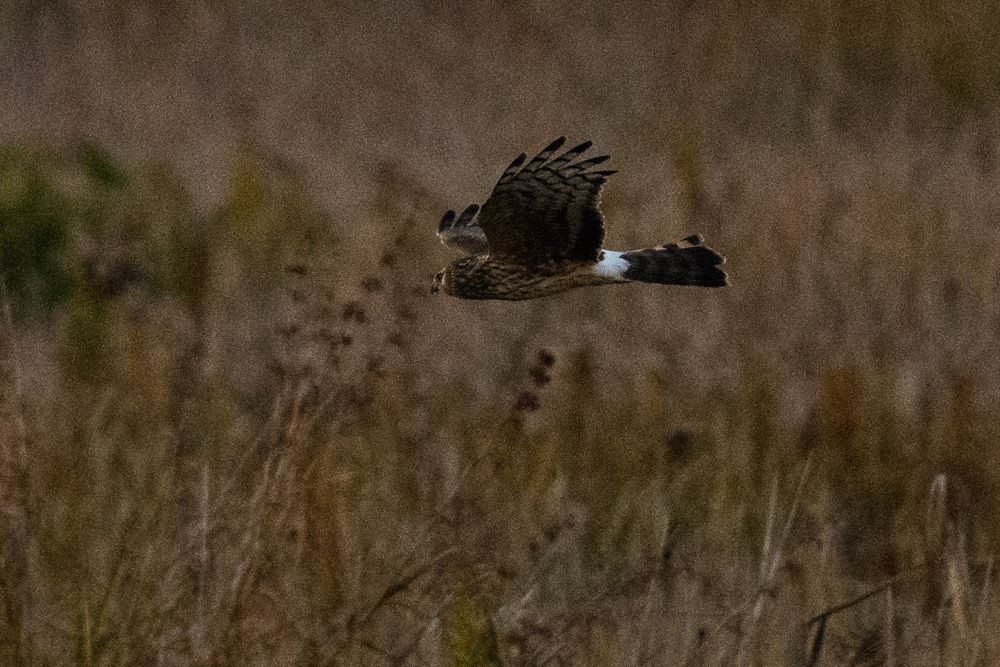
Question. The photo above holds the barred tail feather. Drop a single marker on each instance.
(686, 263)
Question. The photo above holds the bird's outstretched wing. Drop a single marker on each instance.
(462, 233)
(548, 210)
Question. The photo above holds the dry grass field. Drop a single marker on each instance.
(237, 429)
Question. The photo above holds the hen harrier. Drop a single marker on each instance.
(540, 233)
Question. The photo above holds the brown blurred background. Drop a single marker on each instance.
(236, 427)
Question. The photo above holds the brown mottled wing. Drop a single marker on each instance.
(548, 210)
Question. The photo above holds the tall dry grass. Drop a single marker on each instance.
(235, 427)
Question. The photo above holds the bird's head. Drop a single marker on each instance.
(441, 282)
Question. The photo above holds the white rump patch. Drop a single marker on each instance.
(611, 265)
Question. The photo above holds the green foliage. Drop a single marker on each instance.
(268, 216)
(472, 640)
(35, 224)
(85, 339)
(100, 167)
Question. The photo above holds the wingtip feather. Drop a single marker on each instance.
(446, 221)
(467, 215)
(555, 145)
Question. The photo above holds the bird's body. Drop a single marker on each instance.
(479, 277)
(540, 233)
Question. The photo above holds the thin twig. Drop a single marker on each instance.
(864, 596)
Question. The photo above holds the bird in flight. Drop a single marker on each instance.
(540, 233)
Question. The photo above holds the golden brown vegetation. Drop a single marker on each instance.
(235, 427)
